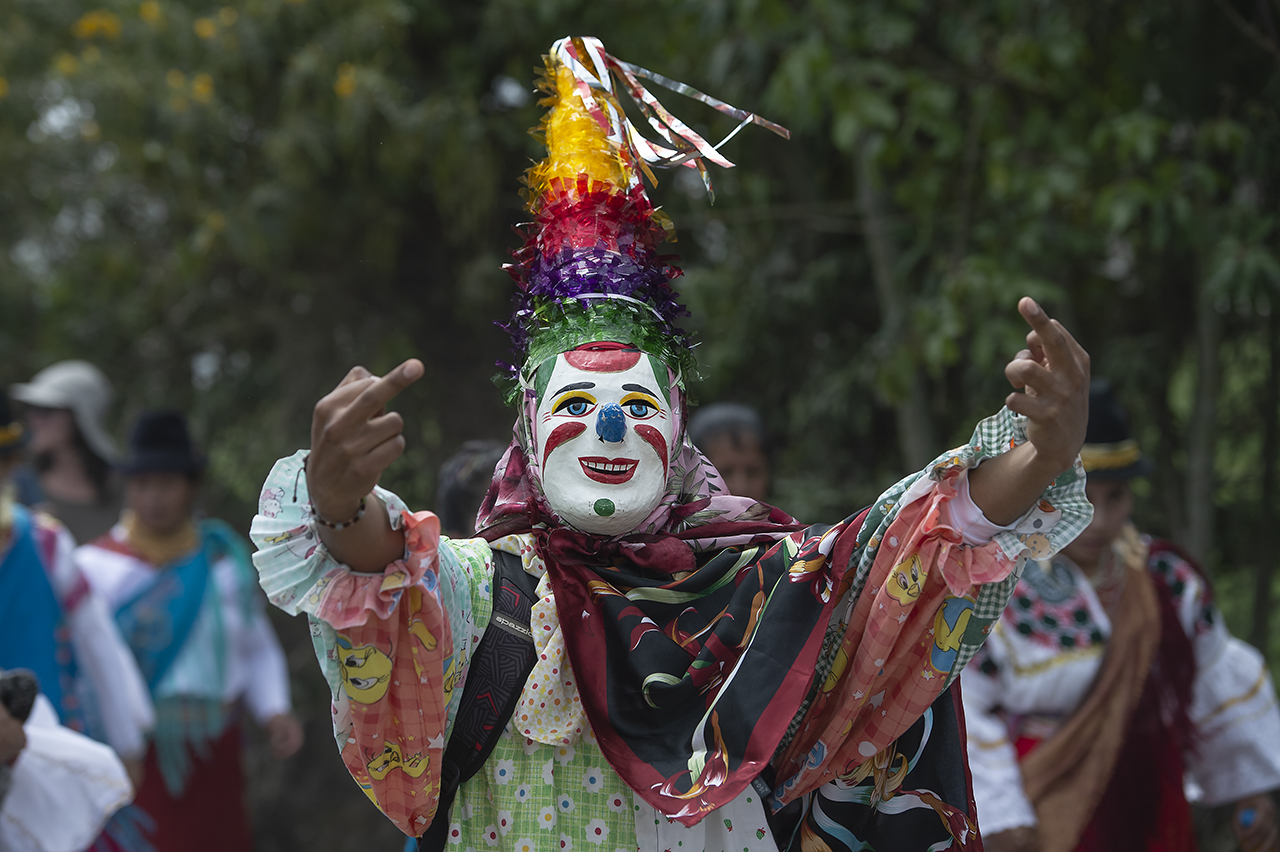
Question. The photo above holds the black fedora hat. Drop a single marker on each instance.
(160, 443)
(1110, 451)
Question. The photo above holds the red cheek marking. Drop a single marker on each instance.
(659, 443)
(560, 434)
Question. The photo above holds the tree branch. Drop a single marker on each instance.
(1253, 33)
(915, 431)
(972, 143)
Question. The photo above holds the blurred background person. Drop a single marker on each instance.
(1109, 677)
(72, 451)
(58, 788)
(731, 435)
(187, 601)
(54, 625)
(464, 481)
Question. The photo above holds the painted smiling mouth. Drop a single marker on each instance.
(608, 471)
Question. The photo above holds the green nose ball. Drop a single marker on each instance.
(604, 508)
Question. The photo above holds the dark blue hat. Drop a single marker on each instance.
(160, 443)
(1110, 451)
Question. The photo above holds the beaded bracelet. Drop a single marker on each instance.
(344, 524)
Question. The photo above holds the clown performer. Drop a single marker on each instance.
(1111, 676)
(704, 672)
(184, 596)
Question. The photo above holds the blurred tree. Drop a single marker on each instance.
(226, 206)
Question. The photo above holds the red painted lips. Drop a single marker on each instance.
(608, 471)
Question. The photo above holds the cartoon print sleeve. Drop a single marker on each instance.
(394, 646)
(993, 759)
(915, 605)
(1233, 703)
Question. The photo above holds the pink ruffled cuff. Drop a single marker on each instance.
(963, 565)
(349, 598)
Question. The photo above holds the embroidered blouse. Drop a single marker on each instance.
(1044, 654)
(254, 664)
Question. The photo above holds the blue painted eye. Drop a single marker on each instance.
(640, 409)
(575, 406)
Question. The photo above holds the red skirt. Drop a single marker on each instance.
(210, 816)
(1173, 830)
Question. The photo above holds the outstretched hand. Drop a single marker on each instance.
(354, 438)
(1054, 373)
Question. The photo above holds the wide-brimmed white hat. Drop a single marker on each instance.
(80, 387)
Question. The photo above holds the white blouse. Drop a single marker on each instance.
(64, 788)
(117, 691)
(254, 664)
(1044, 654)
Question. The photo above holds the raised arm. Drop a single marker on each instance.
(1054, 372)
(353, 440)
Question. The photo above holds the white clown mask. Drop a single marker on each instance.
(603, 432)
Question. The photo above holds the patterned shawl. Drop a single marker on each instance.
(689, 680)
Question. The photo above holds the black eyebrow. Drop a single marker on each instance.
(640, 389)
(575, 386)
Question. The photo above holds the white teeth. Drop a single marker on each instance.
(610, 468)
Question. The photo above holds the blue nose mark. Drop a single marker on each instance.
(611, 423)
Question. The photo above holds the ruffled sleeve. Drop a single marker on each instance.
(298, 573)
(917, 517)
(394, 646)
(917, 602)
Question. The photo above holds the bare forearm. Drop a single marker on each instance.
(1005, 487)
(368, 545)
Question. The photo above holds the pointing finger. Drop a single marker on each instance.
(1050, 333)
(381, 391)
(1081, 356)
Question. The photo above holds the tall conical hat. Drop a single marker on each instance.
(589, 269)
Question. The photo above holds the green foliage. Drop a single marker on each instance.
(228, 206)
